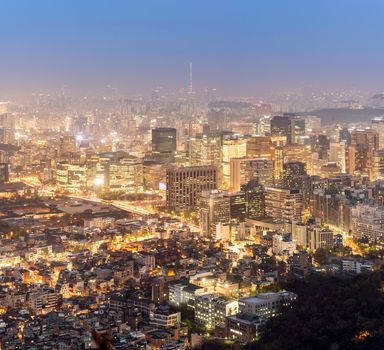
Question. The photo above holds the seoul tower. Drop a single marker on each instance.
(190, 86)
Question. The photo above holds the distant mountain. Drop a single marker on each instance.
(378, 97)
(229, 104)
(347, 115)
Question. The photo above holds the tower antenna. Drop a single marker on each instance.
(190, 87)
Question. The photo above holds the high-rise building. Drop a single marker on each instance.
(232, 148)
(71, 177)
(345, 135)
(246, 169)
(205, 149)
(365, 142)
(288, 154)
(7, 136)
(4, 172)
(294, 175)
(164, 143)
(367, 222)
(124, 174)
(288, 125)
(255, 199)
(263, 126)
(378, 165)
(320, 144)
(154, 174)
(283, 205)
(259, 147)
(185, 184)
(67, 145)
(214, 209)
(312, 124)
(378, 126)
(237, 206)
(337, 154)
(282, 125)
(7, 120)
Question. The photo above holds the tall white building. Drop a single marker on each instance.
(367, 222)
(283, 244)
(211, 310)
(266, 304)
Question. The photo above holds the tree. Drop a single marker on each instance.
(321, 256)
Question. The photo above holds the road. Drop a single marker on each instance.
(123, 205)
(135, 209)
(347, 239)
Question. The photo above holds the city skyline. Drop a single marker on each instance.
(191, 175)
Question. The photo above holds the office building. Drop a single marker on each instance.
(337, 154)
(288, 125)
(242, 327)
(4, 172)
(365, 142)
(267, 304)
(246, 169)
(214, 209)
(378, 126)
(357, 266)
(378, 165)
(67, 145)
(319, 237)
(367, 222)
(283, 205)
(294, 175)
(185, 185)
(237, 206)
(205, 149)
(164, 144)
(211, 310)
(232, 148)
(259, 147)
(255, 199)
(283, 244)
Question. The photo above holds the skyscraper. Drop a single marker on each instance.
(4, 172)
(284, 205)
(294, 175)
(378, 125)
(288, 125)
(164, 144)
(205, 149)
(365, 141)
(232, 148)
(255, 199)
(259, 147)
(337, 152)
(214, 208)
(246, 169)
(185, 184)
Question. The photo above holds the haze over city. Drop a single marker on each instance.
(239, 47)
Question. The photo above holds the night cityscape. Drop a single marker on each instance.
(179, 175)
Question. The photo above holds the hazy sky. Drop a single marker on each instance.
(238, 46)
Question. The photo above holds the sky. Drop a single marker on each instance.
(237, 46)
